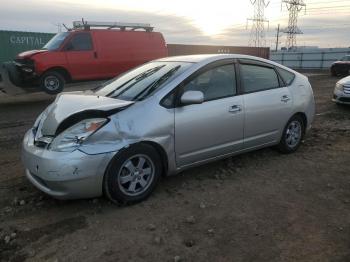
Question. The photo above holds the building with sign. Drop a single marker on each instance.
(14, 42)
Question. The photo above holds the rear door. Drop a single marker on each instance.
(81, 56)
(267, 103)
(215, 127)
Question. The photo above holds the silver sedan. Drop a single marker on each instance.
(161, 118)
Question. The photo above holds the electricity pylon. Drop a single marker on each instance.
(294, 7)
(257, 32)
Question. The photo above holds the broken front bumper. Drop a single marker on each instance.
(64, 175)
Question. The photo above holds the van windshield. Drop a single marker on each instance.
(56, 41)
(139, 83)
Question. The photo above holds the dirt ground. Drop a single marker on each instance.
(260, 206)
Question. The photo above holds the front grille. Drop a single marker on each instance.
(40, 144)
(347, 90)
(24, 62)
(344, 99)
(43, 141)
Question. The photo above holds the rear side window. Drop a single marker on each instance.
(215, 83)
(258, 78)
(80, 42)
(287, 76)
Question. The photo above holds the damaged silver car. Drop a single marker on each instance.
(161, 118)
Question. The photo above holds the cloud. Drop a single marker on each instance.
(41, 16)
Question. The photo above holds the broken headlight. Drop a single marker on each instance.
(75, 135)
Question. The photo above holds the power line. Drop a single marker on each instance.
(328, 7)
(314, 4)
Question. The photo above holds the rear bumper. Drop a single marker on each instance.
(64, 175)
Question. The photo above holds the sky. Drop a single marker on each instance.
(220, 22)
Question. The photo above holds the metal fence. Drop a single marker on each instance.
(320, 59)
(179, 49)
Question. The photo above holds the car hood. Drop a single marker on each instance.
(76, 106)
(341, 62)
(30, 53)
(345, 81)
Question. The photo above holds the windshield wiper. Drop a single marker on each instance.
(156, 84)
(137, 79)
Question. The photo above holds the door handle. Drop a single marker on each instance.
(95, 54)
(235, 109)
(285, 98)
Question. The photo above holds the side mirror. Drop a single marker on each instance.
(192, 97)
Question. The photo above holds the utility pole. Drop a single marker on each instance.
(59, 27)
(277, 36)
(294, 7)
(257, 33)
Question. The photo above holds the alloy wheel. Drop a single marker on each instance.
(136, 175)
(293, 134)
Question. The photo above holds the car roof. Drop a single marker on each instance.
(209, 58)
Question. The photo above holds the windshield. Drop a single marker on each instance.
(142, 81)
(56, 41)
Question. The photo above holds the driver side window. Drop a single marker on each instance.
(80, 42)
(215, 83)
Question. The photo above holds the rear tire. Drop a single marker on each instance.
(292, 136)
(132, 174)
(52, 82)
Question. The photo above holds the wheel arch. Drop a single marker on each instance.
(65, 73)
(162, 153)
(303, 117)
(160, 150)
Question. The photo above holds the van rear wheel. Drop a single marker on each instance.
(52, 82)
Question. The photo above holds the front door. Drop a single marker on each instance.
(215, 127)
(81, 57)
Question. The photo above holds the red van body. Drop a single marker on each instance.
(89, 54)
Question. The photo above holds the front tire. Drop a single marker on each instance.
(132, 174)
(52, 82)
(292, 136)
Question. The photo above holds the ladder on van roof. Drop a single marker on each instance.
(110, 25)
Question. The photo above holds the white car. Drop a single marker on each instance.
(342, 91)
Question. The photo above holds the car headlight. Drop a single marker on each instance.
(339, 87)
(74, 136)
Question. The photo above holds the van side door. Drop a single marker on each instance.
(267, 103)
(81, 56)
